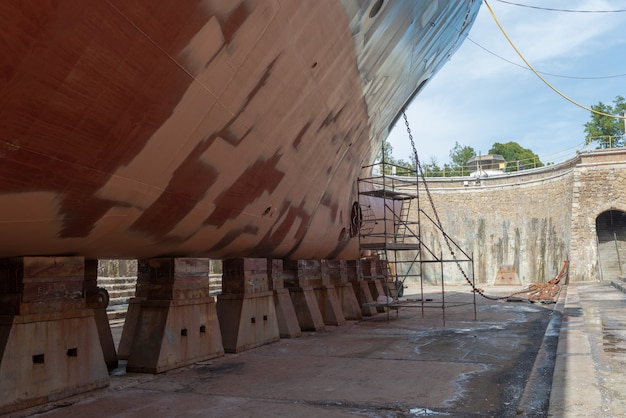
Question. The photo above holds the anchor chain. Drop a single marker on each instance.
(418, 167)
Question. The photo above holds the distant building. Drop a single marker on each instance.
(486, 165)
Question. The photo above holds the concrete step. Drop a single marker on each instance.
(120, 301)
(125, 286)
(121, 293)
(120, 289)
(215, 283)
(110, 281)
(117, 312)
(118, 278)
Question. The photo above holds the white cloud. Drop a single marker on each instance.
(478, 99)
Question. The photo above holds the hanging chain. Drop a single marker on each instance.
(420, 172)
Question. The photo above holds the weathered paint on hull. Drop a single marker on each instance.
(131, 129)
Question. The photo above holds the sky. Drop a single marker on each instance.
(478, 98)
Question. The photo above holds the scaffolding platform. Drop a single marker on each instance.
(390, 236)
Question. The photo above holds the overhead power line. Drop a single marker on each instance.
(561, 10)
(542, 72)
(539, 75)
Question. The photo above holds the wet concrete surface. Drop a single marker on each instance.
(589, 379)
(412, 365)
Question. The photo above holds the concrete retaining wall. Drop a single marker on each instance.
(532, 220)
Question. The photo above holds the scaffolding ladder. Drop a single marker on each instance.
(391, 235)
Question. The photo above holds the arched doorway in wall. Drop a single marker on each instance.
(611, 235)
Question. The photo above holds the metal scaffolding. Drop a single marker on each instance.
(390, 234)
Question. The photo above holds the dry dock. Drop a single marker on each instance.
(500, 365)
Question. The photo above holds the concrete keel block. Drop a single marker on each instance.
(130, 326)
(307, 309)
(49, 357)
(329, 305)
(349, 302)
(170, 335)
(365, 299)
(288, 326)
(247, 320)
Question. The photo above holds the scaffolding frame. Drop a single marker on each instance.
(393, 237)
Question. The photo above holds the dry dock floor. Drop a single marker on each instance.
(516, 359)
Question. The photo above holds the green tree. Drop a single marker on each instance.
(460, 155)
(385, 154)
(386, 151)
(607, 132)
(412, 159)
(449, 170)
(404, 169)
(517, 157)
(431, 169)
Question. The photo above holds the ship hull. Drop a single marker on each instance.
(202, 128)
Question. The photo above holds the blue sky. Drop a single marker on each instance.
(478, 99)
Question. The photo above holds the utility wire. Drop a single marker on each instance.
(539, 75)
(542, 72)
(561, 10)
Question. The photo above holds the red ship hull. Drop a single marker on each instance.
(133, 129)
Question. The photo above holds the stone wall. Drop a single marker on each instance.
(599, 184)
(531, 220)
(117, 268)
(128, 268)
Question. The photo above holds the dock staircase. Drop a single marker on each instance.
(611, 242)
(121, 290)
(119, 279)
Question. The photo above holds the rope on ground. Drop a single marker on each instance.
(546, 291)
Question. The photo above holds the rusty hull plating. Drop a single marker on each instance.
(131, 129)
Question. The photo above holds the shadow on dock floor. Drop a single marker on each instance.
(384, 366)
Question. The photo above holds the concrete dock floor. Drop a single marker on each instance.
(516, 359)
